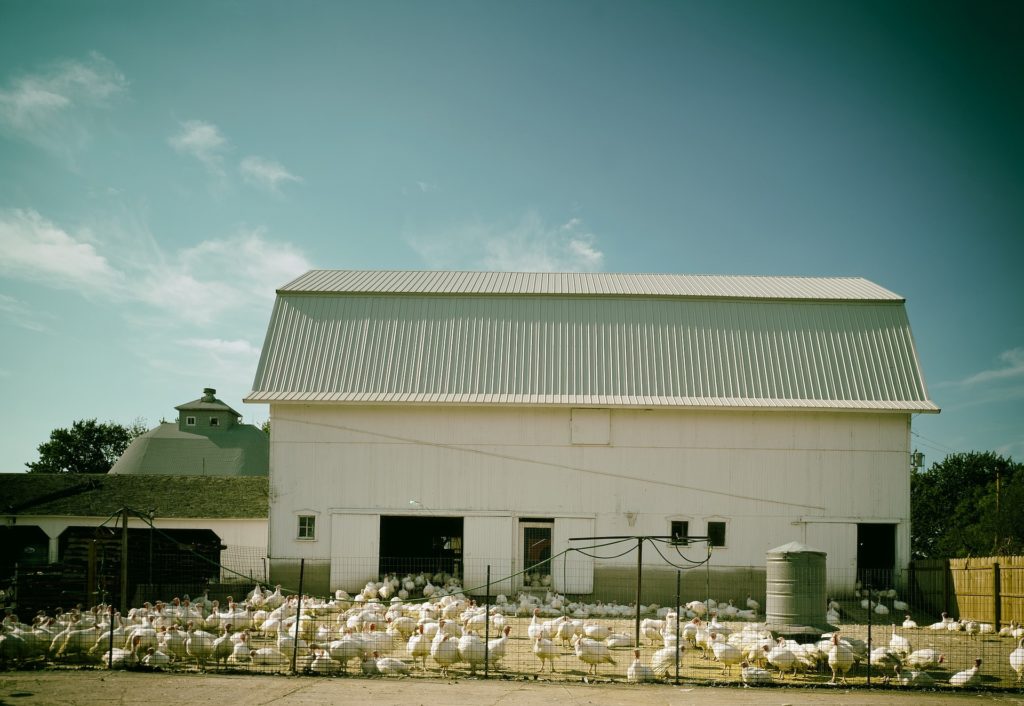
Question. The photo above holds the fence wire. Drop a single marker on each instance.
(193, 606)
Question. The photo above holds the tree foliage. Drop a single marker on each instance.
(968, 504)
(87, 447)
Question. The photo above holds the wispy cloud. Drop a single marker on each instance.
(35, 249)
(265, 173)
(22, 315)
(190, 285)
(1013, 366)
(51, 107)
(236, 348)
(203, 141)
(531, 245)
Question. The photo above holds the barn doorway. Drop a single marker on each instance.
(413, 544)
(876, 554)
(535, 552)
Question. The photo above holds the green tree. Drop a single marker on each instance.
(968, 504)
(87, 447)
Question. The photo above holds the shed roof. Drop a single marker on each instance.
(383, 337)
(101, 495)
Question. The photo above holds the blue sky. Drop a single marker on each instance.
(165, 166)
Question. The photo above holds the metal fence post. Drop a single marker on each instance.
(487, 625)
(870, 611)
(997, 608)
(679, 575)
(639, 584)
(298, 614)
(110, 648)
(124, 562)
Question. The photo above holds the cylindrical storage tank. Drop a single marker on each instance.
(796, 587)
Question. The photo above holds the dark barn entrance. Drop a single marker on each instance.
(414, 544)
(876, 554)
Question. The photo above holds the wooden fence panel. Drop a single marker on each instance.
(988, 589)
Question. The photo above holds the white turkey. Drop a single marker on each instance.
(638, 671)
(391, 666)
(782, 658)
(471, 650)
(913, 677)
(497, 647)
(754, 676)
(156, 659)
(840, 659)
(968, 677)
(545, 651)
(927, 658)
(418, 647)
(445, 651)
(664, 660)
(592, 653)
(726, 653)
(1017, 659)
(899, 644)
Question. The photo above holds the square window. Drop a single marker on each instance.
(716, 534)
(214, 422)
(307, 527)
(190, 421)
(680, 531)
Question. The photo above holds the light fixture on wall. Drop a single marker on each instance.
(917, 459)
(631, 519)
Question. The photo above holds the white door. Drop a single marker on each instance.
(487, 541)
(573, 572)
(355, 551)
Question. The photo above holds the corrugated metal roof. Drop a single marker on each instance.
(590, 351)
(587, 284)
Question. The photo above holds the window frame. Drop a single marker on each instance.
(214, 421)
(310, 528)
(725, 533)
(190, 421)
(683, 539)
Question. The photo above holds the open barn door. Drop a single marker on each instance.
(487, 540)
(574, 572)
(355, 546)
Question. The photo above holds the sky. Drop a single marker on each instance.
(165, 166)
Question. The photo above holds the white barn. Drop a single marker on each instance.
(485, 419)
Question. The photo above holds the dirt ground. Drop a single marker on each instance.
(97, 687)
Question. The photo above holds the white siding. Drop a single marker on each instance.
(577, 576)
(355, 550)
(766, 473)
(487, 540)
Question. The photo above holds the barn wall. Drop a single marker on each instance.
(771, 476)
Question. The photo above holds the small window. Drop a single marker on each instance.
(190, 421)
(680, 531)
(214, 422)
(307, 527)
(716, 534)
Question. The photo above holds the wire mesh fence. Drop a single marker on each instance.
(617, 616)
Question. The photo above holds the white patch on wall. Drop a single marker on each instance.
(591, 426)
